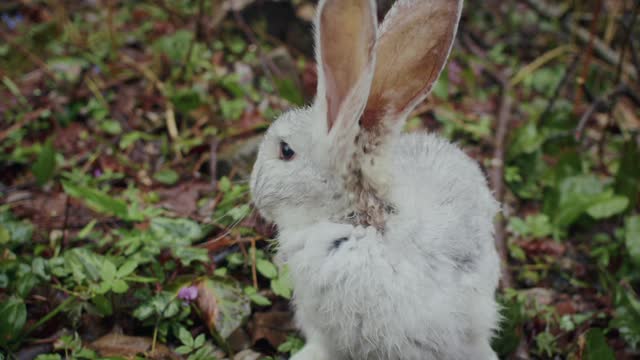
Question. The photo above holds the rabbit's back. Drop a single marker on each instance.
(425, 288)
(442, 269)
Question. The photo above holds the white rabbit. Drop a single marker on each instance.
(388, 237)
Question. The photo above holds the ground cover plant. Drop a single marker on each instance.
(128, 130)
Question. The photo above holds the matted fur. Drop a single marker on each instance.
(418, 280)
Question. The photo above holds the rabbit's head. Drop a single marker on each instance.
(329, 159)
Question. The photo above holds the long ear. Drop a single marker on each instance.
(414, 43)
(346, 32)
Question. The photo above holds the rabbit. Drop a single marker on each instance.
(388, 236)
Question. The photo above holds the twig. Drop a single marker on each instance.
(268, 66)
(497, 183)
(254, 273)
(170, 116)
(629, 30)
(589, 53)
(583, 35)
(34, 115)
(30, 55)
(497, 173)
(213, 160)
(568, 74)
(601, 103)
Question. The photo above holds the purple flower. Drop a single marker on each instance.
(188, 293)
(12, 22)
(97, 173)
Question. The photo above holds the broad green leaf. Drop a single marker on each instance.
(199, 341)
(189, 254)
(632, 237)
(576, 195)
(111, 127)
(127, 268)
(166, 176)
(97, 200)
(627, 181)
(13, 315)
(103, 305)
(86, 230)
(108, 271)
(83, 264)
(186, 100)
(608, 207)
(45, 164)
(175, 232)
(288, 90)
(597, 347)
(266, 268)
(119, 286)
(185, 336)
(222, 304)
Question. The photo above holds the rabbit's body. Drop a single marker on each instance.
(424, 289)
(388, 236)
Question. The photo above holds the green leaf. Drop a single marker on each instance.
(166, 176)
(97, 200)
(441, 87)
(103, 305)
(597, 347)
(576, 195)
(185, 337)
(45, 164)
(86, 230)
(266, 268)
(49, 357)
(608, 207)
(189, 254)
(108, 271)
(199, 341)
(632, 237)
(186, 100)
(627, 181)
(119, 286)
(13, 315)
(127, 268)
(223, 305)
(111, 127)
(224, 185)
(183, 350)
(175, 232)
(281, 287)
(289, 91)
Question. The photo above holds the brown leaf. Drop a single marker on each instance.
(183, 198)
(543, 247)
(114, 344)
(272, 326)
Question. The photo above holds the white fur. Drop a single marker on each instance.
(423, 289)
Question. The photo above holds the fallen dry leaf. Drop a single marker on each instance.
(272, 326)
(114, 344)
(183, 198)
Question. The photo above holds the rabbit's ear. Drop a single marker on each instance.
(413, 46)
(345, 40)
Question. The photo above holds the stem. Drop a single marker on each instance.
(50, 315)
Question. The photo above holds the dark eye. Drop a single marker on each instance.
(286, 152)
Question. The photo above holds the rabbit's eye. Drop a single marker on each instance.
(286, 152)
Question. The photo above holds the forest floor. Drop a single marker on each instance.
(128, 130)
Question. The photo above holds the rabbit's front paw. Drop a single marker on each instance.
(345, 233)
(311, 351)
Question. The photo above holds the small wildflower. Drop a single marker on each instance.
(12, 22)
(97, 173)
(188, 294)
